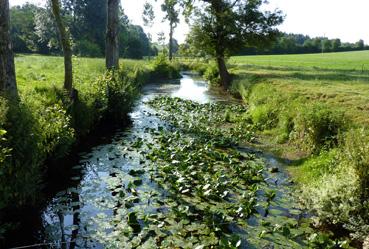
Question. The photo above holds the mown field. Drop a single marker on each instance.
(338, 79)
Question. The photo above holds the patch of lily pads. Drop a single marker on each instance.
(195, 189)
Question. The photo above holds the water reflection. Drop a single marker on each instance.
(82, 217)
(91, 214)
(192, 89)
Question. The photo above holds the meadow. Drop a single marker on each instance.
(47, 71)
(340, 80)
(313, 110)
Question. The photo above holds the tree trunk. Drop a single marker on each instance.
(67, 49)
(225, 77)
(112, 30)
(8, 83)
(171, 42)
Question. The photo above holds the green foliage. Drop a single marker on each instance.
(163, 69)
(87, 48)
(4, 151)
(303, 44)
(211, 74)
(197, 65)
(20, 172)
(33, 30)
(317, 126)
(219, 29)
(339, 193)
(44, 124)
(122, 91)
(356, 154)
(264, 116)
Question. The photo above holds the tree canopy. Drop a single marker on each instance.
(33, 30)
(223, 27)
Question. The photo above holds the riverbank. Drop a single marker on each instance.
(312, 110)
(44, 126)
(165, 181)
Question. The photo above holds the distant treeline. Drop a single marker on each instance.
(301, 44)
(33, 30)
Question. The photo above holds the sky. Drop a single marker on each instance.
(342, 19)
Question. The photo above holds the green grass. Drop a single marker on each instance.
(45, 71)
(336, 79)
(356, 61)
(44, 124)
(314, 108)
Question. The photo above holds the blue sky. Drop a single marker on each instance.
(347, 20)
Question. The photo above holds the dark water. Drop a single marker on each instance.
(83, 214)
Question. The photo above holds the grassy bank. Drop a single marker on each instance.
(45, 124)
(314, 109)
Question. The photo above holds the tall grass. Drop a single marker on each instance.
(45, 124)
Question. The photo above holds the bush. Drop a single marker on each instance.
(163, 69)
(340, 195)
(212, 74)
(317, 126)
(20, 172)
(122, 91)
(4, 151)
(264, 116)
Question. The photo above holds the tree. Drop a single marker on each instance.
(222, 27)
(148, 15)
(8, 83)
(360, 45)
(46, 32)
(336, 44)
(65, 41)
(134, 42)
(169, 7)
(161, 38)
(326, 45)
(112, 32)
(24, 39)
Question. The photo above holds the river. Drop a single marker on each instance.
(84, 214)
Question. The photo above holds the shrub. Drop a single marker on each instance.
(20, 172)
(163, 69)
(122, 91)
(264, 116)
(4, 151)
(212, 74)
(339, 196)
(317, 126)
(90, 107)
(356, 154)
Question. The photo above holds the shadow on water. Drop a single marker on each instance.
(79, 212)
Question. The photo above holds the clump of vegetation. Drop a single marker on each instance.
(46, 123)
(188, 115)
(339, 196)
(162, 68)
(211, 74)
(195, 190)
(316, 126)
